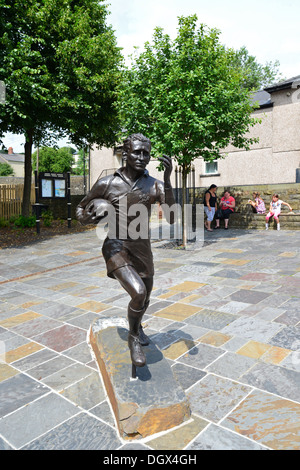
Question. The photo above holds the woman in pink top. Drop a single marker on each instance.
(227, 205)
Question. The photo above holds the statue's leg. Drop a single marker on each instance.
(144, 340)
(134, 285)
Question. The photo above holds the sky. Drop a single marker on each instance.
(269, 29)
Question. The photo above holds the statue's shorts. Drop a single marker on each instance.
(136, 253)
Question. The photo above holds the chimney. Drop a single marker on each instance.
(10, 151)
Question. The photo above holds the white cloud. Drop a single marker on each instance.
(268, 28)
(15, 141)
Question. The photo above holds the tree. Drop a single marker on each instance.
(187, 96)
(53, 160)
(6, 170)
(257, 76)
(60, 64)
(82, 163)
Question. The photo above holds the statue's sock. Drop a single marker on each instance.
(136, 352)
(134, 320)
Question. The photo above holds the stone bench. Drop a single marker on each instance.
(250, 220)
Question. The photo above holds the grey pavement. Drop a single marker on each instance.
(226, 315)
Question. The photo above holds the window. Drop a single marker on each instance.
(211, 167)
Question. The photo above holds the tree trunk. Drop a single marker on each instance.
(28, 175)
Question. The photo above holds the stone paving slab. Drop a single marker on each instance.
(216, 438)
(279, 428)
(226, 317)
(151, 403)
(19, 428)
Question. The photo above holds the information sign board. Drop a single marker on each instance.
(53, 185)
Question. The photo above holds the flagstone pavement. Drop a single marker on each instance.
(226, 315)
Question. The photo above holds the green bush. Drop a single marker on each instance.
(24, 222)
(47, 217)
(3, 222)
(6, 169)
(13, 218)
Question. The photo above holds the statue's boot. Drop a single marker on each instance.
(136, 351)
(144, 340)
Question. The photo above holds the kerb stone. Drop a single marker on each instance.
(151, 403)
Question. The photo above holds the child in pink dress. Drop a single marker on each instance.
(275, 209)
(258, 204)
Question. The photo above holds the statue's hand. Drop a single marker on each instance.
(82, 216)
(95, 211)
(167, 163)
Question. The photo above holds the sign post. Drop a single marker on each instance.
(49, 185)
(37, 204)
(69, 198)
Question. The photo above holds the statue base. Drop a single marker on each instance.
(152, 402)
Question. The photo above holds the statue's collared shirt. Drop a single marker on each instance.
(146, 189)
(121, 249)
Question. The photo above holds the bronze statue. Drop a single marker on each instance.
(128, 259)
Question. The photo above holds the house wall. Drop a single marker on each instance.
(286, 125)
(273, 160)
(102, 159)
(18, 168)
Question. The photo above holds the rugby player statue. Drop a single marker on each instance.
(129, 259)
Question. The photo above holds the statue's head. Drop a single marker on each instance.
(136, 151)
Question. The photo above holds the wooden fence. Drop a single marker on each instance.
(11, 196)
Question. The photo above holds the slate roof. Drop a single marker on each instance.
(264, 98)
(289, 83)
(12, 158)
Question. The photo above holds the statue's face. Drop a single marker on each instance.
(138, 156)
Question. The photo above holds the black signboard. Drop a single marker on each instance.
(52, 185)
